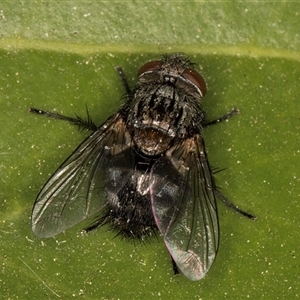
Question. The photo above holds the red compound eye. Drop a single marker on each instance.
(150, 66)
(196, 79)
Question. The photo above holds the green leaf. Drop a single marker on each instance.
(61, 56)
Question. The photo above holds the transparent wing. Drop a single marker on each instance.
(184, 207)
(80, 186)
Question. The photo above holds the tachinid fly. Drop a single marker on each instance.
(144, 169)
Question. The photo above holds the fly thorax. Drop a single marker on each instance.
(159, 114)
(151, 141)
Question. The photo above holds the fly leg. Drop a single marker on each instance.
(175, 268)
(223, 118)
(231, 205)
(87, 124)
(217, 193)
(124, 80)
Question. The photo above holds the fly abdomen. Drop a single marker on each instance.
(129, 210)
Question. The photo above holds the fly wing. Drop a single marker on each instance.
(80, 186)
(184, 206)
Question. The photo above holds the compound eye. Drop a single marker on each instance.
(196, 79)
(150, 66)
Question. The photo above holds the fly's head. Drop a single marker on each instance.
(165, 105)
(176, 69)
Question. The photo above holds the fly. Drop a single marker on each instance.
(145, 169)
